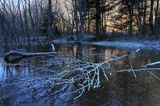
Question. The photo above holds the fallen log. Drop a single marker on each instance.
(15, 56)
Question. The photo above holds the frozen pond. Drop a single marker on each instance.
(123, 89)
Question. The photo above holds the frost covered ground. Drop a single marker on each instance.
(72, 39)
(133, 44)
(124, 44)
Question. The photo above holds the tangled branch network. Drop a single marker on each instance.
(63, 73)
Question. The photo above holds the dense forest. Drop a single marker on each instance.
(26, 20)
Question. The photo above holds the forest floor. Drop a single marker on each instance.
(124, 44)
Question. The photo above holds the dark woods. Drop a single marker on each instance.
(25, 22)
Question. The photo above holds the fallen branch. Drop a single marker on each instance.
(78, 75)
(15, 56)
(151, 64)
(138, 70)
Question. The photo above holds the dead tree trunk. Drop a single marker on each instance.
(15, 56)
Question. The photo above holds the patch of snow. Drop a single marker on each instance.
(127, 44)
(87, 37)
(61, 41)
(149, 45)
(72, 39)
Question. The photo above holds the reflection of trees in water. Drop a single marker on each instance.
(79, 53)
(99, 58)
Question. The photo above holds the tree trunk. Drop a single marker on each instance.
(156, 19)
(131, 20)
(50, 20)
(151, 17)
(139, 20)
(98, 16)
(144, 17)
(76, 18)
(88, 20)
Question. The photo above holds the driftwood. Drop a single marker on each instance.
(15, 56)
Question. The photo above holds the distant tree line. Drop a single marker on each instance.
(142, 17)
(139, 18)
(25, 20)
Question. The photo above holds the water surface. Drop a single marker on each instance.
(123, 89)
